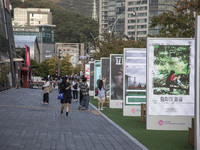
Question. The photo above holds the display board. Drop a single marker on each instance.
(116, 81)
(134, 81)
(97, 75)
(105, 74)
(91, 78)
(197, 102)
(87, 73)
(170, 88)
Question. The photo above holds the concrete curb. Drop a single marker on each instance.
(122, 130)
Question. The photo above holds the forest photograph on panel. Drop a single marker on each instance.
(171, 70)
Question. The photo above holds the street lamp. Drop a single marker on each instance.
(116, 21)
(135, 14)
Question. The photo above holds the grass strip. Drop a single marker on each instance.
(152, 139)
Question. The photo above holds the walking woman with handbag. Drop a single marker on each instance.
(66, 89)
(46, 91)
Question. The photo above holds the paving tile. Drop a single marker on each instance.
(27, 124)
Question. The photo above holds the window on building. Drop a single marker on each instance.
(131, 21)
(141, 26)
(131, 33)
(131, 27)
(141, 32)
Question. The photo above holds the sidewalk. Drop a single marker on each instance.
(26, 124)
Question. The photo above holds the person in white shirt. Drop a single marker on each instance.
(101, 95)
(46, 92)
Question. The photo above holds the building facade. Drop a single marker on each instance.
(136, 22)
(158, 7)
(36, 21)
(31, 41)
(75, 50)
(8, 68)
(112, 17)
(131, 18)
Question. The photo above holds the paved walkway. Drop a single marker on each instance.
(26, 124)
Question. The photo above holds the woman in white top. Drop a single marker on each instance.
(101, 95)
(46, 92)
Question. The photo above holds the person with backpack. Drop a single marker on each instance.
(101, 94)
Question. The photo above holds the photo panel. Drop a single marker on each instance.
(87, 73)
(134, 81)
(197, 102)
(105, 73)
(97, 75)
(116, 81)
(170, 88)
(91, 77)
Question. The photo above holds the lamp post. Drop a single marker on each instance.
(116, 21)
(58, 62)
(135, 14)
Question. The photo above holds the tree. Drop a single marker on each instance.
(44, 68)
(116, 46)
(35, 67)
(66, 65)
(53, 66)
(180, 23)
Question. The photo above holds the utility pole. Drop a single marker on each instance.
(58, 62)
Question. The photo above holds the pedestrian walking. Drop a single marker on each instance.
(101, 95)
(46, 91)
(72, 88)
(66, 89)
(85, 92)
(75, 89)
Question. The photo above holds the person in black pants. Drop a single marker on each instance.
(75, 91)
(46, 91)
(66, 88)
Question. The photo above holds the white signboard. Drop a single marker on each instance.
(134, 81)
(170, 91)
(197, 102)
(116, 81)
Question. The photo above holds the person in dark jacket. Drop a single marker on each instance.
(66, 88)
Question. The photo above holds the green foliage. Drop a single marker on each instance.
(35, 67)
(66, 66)
(173, 57)
(180, 23)
(44, 68)
(116, 46)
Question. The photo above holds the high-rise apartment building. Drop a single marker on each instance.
(136, 22)
(112, 16)
(103, 17)
(131, 17)
(36, 21)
